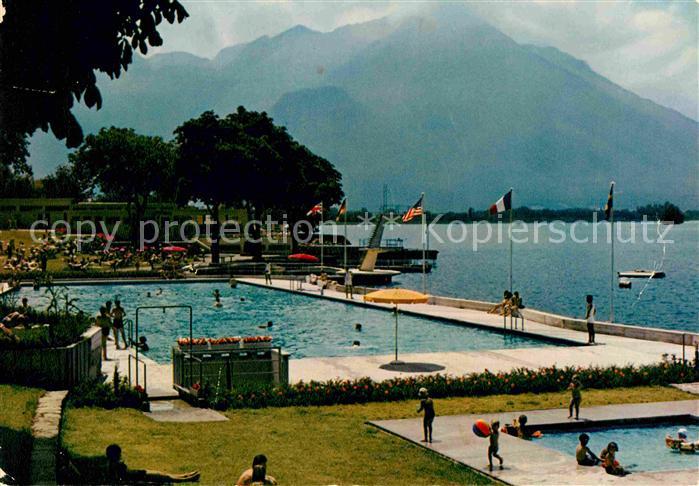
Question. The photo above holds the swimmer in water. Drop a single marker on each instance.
(358, 327)
(217, 296)
(148, 294)
(159, 292)
(266, 326)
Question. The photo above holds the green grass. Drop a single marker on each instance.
(308, 445)
(17, 407)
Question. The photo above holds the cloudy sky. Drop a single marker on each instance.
(647, 47)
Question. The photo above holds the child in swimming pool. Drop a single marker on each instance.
(583, 454)
(426, 405)
(494, 444)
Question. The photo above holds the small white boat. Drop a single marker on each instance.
(624, 283)
(641, 273)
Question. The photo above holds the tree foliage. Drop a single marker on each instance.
(245, 160)
(124, 166)
(50, 51)
(63, 183)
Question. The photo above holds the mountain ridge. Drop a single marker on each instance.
(435, 103)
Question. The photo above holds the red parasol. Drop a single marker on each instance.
(303, 257)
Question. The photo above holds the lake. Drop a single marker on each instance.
(556, 276)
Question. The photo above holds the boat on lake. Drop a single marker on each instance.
(641, 273)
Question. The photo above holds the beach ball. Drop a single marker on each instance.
(481, 428)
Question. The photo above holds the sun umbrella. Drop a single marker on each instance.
(174, 249)
(396, 296)
(303, 257)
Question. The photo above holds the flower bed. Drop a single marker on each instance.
(117, 394)
(222, 342)
(522, 380)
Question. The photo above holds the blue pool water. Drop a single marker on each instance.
(643, 446)
(304, 326)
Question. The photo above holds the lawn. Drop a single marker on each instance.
(17, 406)
(308, 445)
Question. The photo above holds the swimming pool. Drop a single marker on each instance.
(304, 326)
(641, 445)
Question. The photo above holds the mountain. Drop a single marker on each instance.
(444, 104)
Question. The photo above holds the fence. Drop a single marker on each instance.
(228, 367)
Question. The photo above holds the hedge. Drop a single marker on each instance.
(522, 380)
(116, 394)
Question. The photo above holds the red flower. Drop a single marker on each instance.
(196, 387)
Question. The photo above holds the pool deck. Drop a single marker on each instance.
(610, 350)
(526, 462)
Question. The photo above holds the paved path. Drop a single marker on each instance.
(692, 388)
(180, 411)
(45, 430)
(611, 350)
(529, 463)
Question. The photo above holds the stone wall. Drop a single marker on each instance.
(556, 320)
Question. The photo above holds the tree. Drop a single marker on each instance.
(15, 173)
(64, 182)
(667, 213)
(246, 160)
(50, 51)
(124, 166)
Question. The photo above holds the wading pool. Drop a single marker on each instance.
(641, 445)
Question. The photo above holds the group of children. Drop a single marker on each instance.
(583, 454)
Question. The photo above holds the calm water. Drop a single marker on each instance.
(557, 276)
(303, 326)
(642, 446)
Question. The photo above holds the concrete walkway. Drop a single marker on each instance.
(45, 429)
(610, 350)
(526, 462)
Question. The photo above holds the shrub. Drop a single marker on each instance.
(118, 393)
(81, 274)
(522, 380)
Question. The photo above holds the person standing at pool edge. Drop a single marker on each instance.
(118, 314)
(494, 444)
(349, 288)
(268, 273)
(105, 323)
(575, 397)
(426, 405)
(590, 312)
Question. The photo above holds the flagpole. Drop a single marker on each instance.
(611, 280)
(511, 211)
(345, 255)
(320, 235)
(424, 242)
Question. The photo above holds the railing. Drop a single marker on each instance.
(145, 371)
(228, 367)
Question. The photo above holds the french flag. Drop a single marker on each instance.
(503, 204)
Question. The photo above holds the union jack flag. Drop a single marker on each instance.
(317, 209)
(415, 210)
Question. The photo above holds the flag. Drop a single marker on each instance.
(502, 204)
(610, 203)
(414, 211)
(342, 210)
(317, 209)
